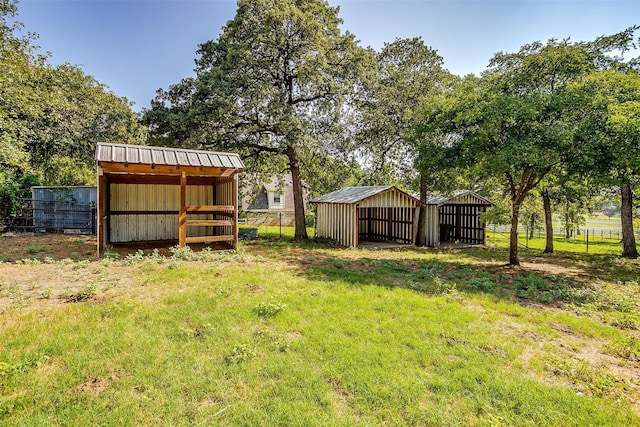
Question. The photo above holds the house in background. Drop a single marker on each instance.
(275, 195)
(272, 197)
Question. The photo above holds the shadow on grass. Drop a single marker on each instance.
(548, 279)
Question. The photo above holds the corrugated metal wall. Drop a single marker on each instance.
(432, 229)
(466, 199)
(337, 221)
(64, 207)
(136, 227)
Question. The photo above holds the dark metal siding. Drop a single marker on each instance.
(59, 208)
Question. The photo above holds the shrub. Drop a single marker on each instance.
(269, 308)
(184, 253)
(480, 284)
(133, 258)
(85, 293)
(240, 353)
(536, 288)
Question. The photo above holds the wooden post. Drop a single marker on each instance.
(101, 202)
(235, 212)
(357, 231)
(458, 222)
(182, 218)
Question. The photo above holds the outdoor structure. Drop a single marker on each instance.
(455, 219)
(269, 202)
(355, 214)
(275, 195)
(71, 208)
(155, 193)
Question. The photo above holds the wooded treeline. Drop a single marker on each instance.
(51, 116)
(287, 88)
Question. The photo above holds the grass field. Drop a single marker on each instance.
(285, 333)
(576, 244)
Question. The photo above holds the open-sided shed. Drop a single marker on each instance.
(456, 219)
(156, 193)
(354, 214)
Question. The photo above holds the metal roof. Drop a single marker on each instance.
(441, 200)
(148, 155)
(354, 194)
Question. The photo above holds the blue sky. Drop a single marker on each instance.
(138, 46)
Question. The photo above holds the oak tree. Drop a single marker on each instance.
(273, 87)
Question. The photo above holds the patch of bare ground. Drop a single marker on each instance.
(580, 363)
(38, 286)
(340, 397)
(96, 385)
(16, 246)
(293, 336)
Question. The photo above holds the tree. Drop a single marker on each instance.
(612, 117)
(407, 72)
(518, 120)
(50, 116)
(273, 87)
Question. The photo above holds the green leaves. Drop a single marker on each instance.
(52, 113)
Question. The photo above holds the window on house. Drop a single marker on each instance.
(276, 198)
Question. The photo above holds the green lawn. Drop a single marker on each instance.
(284, 333)
(598, 244)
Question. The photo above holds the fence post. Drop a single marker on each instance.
(587, 240)
(280, 215)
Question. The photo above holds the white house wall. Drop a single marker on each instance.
(271, 200)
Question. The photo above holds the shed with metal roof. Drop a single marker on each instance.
(455, 218)
(150, 193)
(377, 213)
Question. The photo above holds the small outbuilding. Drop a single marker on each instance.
(377, 213)
(150, 193)
(456, 218)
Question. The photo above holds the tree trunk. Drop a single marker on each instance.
(298, 197)
(567, 225)
(513, 236)
(421, 238)
(546, 201)
(532, 225)
(629, 249)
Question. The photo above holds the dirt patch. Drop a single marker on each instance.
(20, 246)
(293, 336)
(96, 385)
(16, 246)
